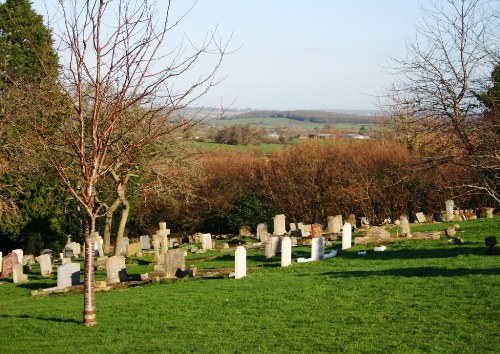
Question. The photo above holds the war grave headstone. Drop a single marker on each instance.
(286, 251)
(45, 264)
(346, 236)
(145, 243)
(116, 270)
(8, 264)
(240, 263)
(279, 225)
(17, 274)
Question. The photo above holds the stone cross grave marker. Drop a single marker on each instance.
(346, 236)
(240, 263)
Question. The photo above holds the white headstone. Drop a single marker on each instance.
(261, 230)
(279, 225)
(405, 226)
(68, 275)
(206, 243)
(145, 243)
(17, 274)
(45, 264)
(317, 248)
(346, 236)
(286, 252)
(75, 247)
(293, 226)
(19, 253)
(116, 270)
(240, 263)
(421, 217)
(450, 206)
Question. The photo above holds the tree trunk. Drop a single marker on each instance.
(89, 310)
(121, 228)
(107, 225)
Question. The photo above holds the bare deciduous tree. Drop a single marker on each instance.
(116, 56)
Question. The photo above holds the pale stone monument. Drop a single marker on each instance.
(317, 248)
(206, 242)
(98, 241)
(19, 252)
(330, 224)
(75, 247)
(68, 275)
(116, 270)
(489, 213)
(145, 243)
(133, 249)
(175, 262)
(268, 249)
(240, 263)
(275, 245)
(17, 274)
(261, 230)
(45, 264)
(421, 217)
(346, 236)
(293, 226)
(286, 252)
(123, 246)
(450, 206)
(279, 225)
(405, 226)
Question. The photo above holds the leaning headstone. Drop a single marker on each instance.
(421, 217)
(449, 205)
(145, 243)
(346, 236)
(279, 225)
(286, 252)
(8, 264)
(19, 252)
(240, 263)
(45, 265)
(175, 262)
(68, 275)
(133, 249)
(405, 226)
(261, 230)
(17, 274)
(317, 248)
(116, 270)
(206, 242)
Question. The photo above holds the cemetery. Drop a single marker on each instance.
(404, 283)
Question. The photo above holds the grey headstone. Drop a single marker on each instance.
(175, 262)
(68, 275)
(145, 243)
(116, 270)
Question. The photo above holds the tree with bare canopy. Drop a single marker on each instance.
(436, 98)
(119, 89)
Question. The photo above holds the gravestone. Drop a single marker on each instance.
(286, 252)
(489, 213)
(145, 243)
(133, 249)
(346, 236)
(68, 275)
(317, 248)
(8, 264)
(175, 263)
(116, 270)
(75, 247)
(268, 249)
(279, 225)
(405, 226)
(293, 227)
(245, 231)
(307, 229)
(275, 245)
(45, 265)
(450, 206)
(261, 230)
(17, 274)
(19, 252)
(98, 241)
(330, 224)
(123, 246)
(206, 242)
(421, 217)
(240, 263)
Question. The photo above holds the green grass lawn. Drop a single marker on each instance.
(417, 297)
(286, 123)
(265, 148)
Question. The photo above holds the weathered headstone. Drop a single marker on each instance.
(405, 226)
(317, 248)
(133, 249)
(450, 206)
(145, 243)
(17, 274)
(293, 227)
(275, 245)
(98, 241)
(8, 264)
(330, 224)
(279, 225)
(421, 217)
(489, 213)
(175, 263)
(346, 236)
(123, 245)
(261, 230)
(116, 270)
(240, 263)
(207, 243)
(68, 275)
(75, 247)
(245, 231)
(286, 252)
(19, 252)
(45, 264)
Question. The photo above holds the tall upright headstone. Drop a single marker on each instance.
(279, 225)
(19, 252)
(450, 206)
(346, 236)
(123, 246)
(261, 231)
(286, 251)
(275, 245)
(8, 264)
(116, 270)
(240, 263)
(330, 222)
(317, 248)
(206, 242)
(68, 275)
(145, 243)
(175, 262)
(17, 274)
(405, 226)
(45, 265)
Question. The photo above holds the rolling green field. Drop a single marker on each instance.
(417, 297)
(265, 148)
(284, 123)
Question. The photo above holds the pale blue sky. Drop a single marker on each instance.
(302, 54)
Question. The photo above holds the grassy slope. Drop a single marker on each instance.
(419, 296)
(265, 148)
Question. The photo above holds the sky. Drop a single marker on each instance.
(300, 54)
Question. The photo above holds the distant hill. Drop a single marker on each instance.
(325, 117)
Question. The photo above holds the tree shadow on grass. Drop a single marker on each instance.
(52, 319)
(407, 252)
(420, 272)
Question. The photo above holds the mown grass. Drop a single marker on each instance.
(418, 296)
(264, 148)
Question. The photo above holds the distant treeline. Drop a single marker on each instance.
(308, 116)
